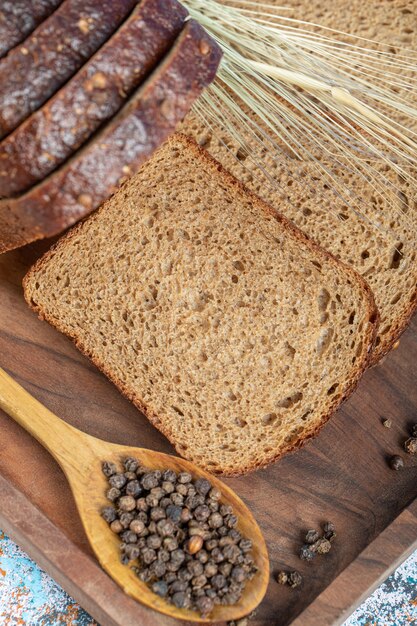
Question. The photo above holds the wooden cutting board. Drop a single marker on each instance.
(342, 476)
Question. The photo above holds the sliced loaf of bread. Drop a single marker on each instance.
(380, 244)
(234, 333)
(117, 150)
(58, 47)
(54, 132)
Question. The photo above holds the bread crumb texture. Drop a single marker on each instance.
(236, 335)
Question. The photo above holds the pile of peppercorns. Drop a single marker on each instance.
(314, 544)
(184, 539)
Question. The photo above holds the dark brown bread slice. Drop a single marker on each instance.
(235, 333)
(54, 132)
(33, 71)
(119, 149)
(18, 18)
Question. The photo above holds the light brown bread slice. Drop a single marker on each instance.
(234, 333)
(382, 246)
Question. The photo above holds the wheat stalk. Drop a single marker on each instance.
(282, 85)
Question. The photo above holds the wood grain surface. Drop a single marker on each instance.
(342, 476)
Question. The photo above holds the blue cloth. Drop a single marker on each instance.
(29, 597)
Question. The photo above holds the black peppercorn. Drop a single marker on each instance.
(178, 556)
(173, 512)
(204, 605)
(217, 555)
(109, 514)
(177, 499)
(126, 503)
(396, 463)
(109, 468)
(321, 546)
(149, 480)
(133, 488)
(157, 568)
(113, 493)
(202, 513)
(414, 430)
(131, 551)
(231, 521)
(203, 486)
(160, 587)
(131, 464)
(168, 487)
(157, 513)
(117, 480)
(282, 578)
(294, 579)
(245, 544)
(215, 520)
(184, 477)
(165, 527)
(153, 541)
(116, 526)
(169, 475)
(184, 574)
(128, 536)
(148, 555)
(238, 574)
(181, 600)
(311, 536)
(306, 553)
(145, 575)
(329, 527)
(137, 526)
(178, 585)
(410, 446)
(125, 519)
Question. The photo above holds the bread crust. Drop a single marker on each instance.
(53, 133)
(33, 71)
(19, 17)
(373, 317)
(125, 143)
(395, 333)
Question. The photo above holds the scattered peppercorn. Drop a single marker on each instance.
(414, 430)
(181, 538)
(311, 536)
(387, 423)
(410, 446)
(395, 462)
(329, 531)
(306, 553)
(282, 578)
(321, 546)
(294, 579)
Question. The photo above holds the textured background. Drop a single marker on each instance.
(29, 597)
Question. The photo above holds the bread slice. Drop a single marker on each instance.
(381, 245)
(34, 70)
(19, 17)
(118, 150)
(234, 333)
(53, 133)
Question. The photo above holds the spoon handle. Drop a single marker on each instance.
(65, 443)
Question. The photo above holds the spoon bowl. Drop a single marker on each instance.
(81, 456)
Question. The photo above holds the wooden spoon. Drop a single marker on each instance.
(80, 457)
